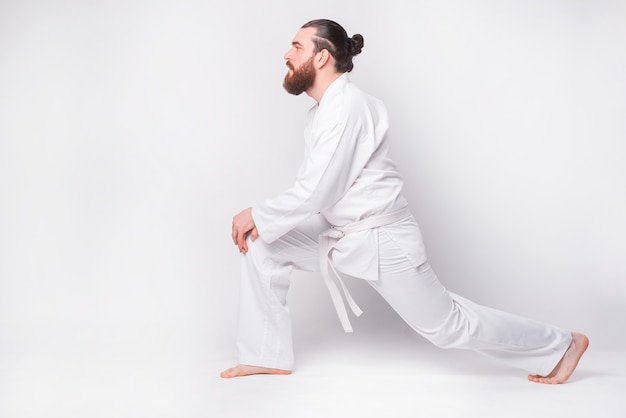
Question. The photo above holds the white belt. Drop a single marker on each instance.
(327, 240)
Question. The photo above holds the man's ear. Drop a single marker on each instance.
(322, 58)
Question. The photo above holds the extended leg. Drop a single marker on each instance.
(451, 321)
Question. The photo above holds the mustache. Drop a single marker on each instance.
(290, 65)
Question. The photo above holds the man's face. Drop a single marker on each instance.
(301, 74)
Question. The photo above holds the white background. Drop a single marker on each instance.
(132, 131)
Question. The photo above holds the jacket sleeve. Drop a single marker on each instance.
(339, 147)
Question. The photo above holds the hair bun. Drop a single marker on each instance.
(356, 44)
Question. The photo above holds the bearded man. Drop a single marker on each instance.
(346, 216)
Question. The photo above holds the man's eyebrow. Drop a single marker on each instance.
(296, 43)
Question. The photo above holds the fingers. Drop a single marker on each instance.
(237, 231)
(243, 224)
(240, 239)
(241, 242)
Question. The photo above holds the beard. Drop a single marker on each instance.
(301, 79)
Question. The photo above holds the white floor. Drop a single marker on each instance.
(163, 372)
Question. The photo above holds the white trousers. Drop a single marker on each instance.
(444, 318)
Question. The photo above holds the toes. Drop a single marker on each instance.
(228, 373)
(545, 380)
(539, 379)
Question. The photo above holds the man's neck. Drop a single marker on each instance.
(322, 82)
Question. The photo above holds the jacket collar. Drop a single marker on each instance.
(335, 88)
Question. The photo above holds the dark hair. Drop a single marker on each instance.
(333, 37)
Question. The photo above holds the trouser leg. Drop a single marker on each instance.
(264, 335)
(451, 321)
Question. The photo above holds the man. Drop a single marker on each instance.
(348, 180)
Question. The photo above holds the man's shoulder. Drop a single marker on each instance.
(349, 102)
(358, 101)
(352, 96)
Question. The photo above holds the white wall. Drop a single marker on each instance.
(131, 132)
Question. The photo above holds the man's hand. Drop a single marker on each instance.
(243, 224)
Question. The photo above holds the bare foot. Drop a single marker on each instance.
(246, 370)
(568, 363)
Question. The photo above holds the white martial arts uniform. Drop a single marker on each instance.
(347, 179)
